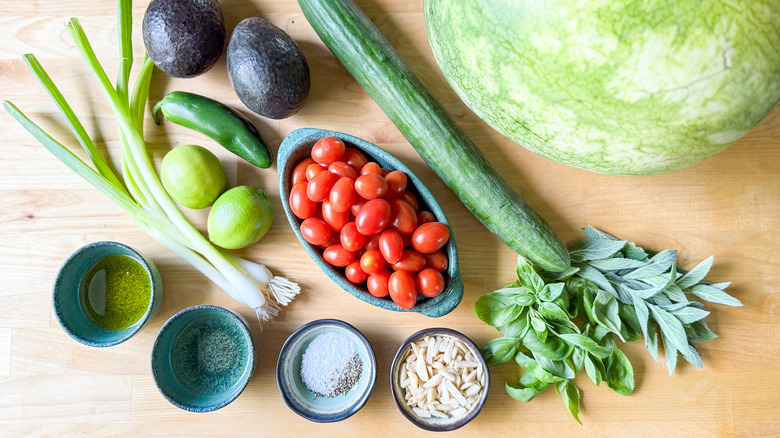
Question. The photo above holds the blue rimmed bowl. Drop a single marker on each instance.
(68, 295)
(300, 398)
(203, 358)
(296, 147)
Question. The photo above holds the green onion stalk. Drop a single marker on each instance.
(139, 192)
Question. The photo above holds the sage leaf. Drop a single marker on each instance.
(499, 351)
(605, 313)
(596, 277)
(633, 252)
(671, 328)
(696, 274)
(693, 356)
(657, 265)
(689, 314)
(592, 233)
(674, 293)
(618, 264)
(714, 295)
(620, 373)
(670, 353)
(699, 332)
(592, 249)
(559, 276)
(651, 342)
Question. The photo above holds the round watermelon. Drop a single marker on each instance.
(612, 86)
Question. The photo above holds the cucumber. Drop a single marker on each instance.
(378, 68)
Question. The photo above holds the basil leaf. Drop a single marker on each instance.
(553, 311)
(505, 315)
(587, 344)
(528, 277)
(558, 368)
(578, 356)
(596, 277)
(499, 351)
(696, 274)
(516, 328)
(605, 312)
(592, 371)
(488, 303)
(630, 328)
(594, 249)
(537, 321)
(714, 295)
(571, 396)
(525, 393)
(512, 290)
(551, 291)
(534, 367)
(525, 299)
(553, 348)
(620, 373)
(689, 314)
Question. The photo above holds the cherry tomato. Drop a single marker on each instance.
(299, 172)
(334, 239)
(371, 186)
(429, 237)
(372, 261)
(424, 217)
(411, 200)
(354, 273)
(351, 239)
(411, 261)
(354, 158)
(391, 245)
(336, 255)
(403, 289)
(407, 240)
(402, 217)
(371, 167)
(319, 186)
(430, 282)
(396, 184)
(373, 217)
(328, 150)
(300, 204)
(377, 283)
(437, 260)
(313, 169)
(372, 242)
(357, 204)
(342, 195)
(315, 231)
(343, 169)
(336, 220)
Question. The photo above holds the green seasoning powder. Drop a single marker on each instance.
(115, 292)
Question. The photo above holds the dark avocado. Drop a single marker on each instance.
(267, 69)
(184, 38)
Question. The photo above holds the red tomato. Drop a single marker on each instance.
(372, 242)
(383, 172)
(391, 245)
(371, 167)
(372, 261)
(299, 172)
(371, 186)
(407, 240)
(430, 282)
(424, 217)
(336, 220)
(411, 261)
(373, 217)
(334, 239)
(336, 255)
(354, 158)
(402, 217)
(300, 204)
(342, 195)
(319, 186)
(411, 200)
(357, 204)
(437, 260)
(354, 273)
(396, 184)
(315, 231)
(377, 283)
(429, 237)
(351, 239)
(343, 169)
(313, 169)
(328, 150)
(403, 289)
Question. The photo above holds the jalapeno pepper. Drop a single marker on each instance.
(229, 128)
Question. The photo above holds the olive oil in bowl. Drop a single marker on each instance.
(115, 292)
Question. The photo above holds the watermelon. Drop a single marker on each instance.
(612, 86)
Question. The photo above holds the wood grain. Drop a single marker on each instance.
(50, 385)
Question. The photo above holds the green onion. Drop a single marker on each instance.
(142, 195)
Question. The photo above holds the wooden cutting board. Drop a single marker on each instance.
(50, 385)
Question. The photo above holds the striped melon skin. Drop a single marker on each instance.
(612, 86)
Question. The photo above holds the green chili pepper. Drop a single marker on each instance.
(216, 120)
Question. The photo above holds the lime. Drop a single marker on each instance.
(240, 217)
(192, 175)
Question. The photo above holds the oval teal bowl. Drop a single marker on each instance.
(296, 147)
(203, 358)
(68, 291)
(300, 398)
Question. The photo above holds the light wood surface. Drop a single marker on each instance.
(50, 385)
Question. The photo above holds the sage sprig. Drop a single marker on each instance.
(556, 324)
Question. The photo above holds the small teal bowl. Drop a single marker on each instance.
(68, 291)
(300, 398)
(203, 358)
(296, 147)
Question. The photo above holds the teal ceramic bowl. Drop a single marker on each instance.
(70, 295)
(299, 397)
(296, 147)
(203, 358)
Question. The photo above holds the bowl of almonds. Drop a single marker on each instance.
(439, 380)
